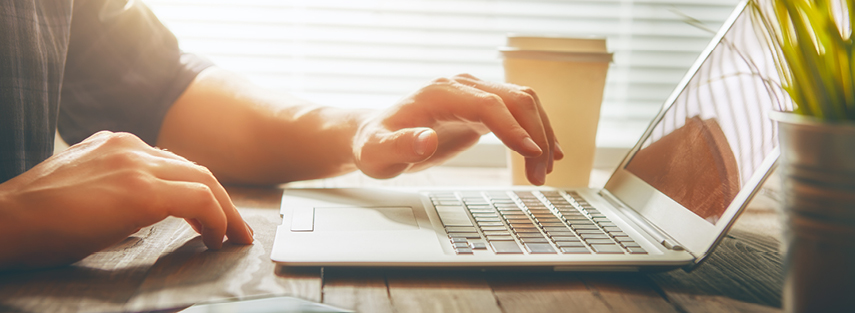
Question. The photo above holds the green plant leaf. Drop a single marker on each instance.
(813, 50)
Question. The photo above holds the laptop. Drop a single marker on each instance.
(668, 204)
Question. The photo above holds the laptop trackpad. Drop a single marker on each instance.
(364, 218)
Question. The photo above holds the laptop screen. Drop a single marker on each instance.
(717, 132)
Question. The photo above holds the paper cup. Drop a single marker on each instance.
(569, 75)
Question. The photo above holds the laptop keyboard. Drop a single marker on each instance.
(528, 222)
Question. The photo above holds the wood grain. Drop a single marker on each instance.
(361, 290)
(744, 274)
(440, 291)
(544, 292)
(627, 292)
(104, 281)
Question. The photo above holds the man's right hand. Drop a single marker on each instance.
(98, 192)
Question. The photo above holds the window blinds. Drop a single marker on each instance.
(369, 53)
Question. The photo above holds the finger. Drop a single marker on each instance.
(475, 105)
(194, 223)
(547, 126)
(391, 153)
(523, 104)
(176, 168)
(559, 153)
(195, 201)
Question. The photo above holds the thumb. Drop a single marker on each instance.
(390, 154)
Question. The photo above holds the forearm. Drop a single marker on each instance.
(9, 230)
(246, 134)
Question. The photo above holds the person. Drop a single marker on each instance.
(155, 131)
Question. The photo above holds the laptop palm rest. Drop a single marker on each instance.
(337, 219)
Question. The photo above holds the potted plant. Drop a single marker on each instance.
(812, 43)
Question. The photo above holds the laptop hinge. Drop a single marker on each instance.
(663, 239)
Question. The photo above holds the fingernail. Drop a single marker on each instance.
(251, 232)
(558, 147)
(531, 146)
(422, 142)
(540, 173)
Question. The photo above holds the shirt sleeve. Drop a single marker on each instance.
(123, 71)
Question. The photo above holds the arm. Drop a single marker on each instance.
(246, 134)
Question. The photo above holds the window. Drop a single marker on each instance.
(369, 53)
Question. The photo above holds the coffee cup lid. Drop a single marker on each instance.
(548, 55)
(557, 43)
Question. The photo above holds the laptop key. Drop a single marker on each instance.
(505, 247)
(580, 221)
(582, 227)
(464, 251)
(594, 236)
(636, 250)
(497, 233)
(577, 220)
(589, 231)
(607, 249)
(575, 250)
(560, 234)
(458, 239)
(453, 216)
(458, 245)
(539, 248)
(562, 244)
(465, 235)
(556, 229)
(517, 218)
(574, 216)
(500, 238)
(487, 219)
(629, 244)
(566, 238)
(599, 241)
(493, 228)
(456, 222)
(529, 235)
(460, 229)
(478, 245)
(482, 224)
(534, 240)
(525, 229)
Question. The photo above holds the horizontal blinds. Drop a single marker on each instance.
(369, 53)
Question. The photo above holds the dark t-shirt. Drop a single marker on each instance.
(94, 65)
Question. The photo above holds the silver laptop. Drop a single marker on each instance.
(668, 204)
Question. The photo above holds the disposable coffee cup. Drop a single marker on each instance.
(568, 75)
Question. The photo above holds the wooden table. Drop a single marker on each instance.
(167, 266)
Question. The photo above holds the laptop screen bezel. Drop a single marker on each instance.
(692, 232)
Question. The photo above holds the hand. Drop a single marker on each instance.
(101, 190)
(448, 116)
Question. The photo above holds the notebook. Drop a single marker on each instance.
(668, 204)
